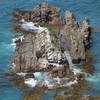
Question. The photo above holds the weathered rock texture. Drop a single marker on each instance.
(77, 37)
(43, 14)
(43, 52)
(38, 53)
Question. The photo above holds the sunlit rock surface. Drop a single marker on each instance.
(37, 52)
(77, 37)
(39, 46)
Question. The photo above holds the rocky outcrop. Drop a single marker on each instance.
(25, 59)
(43, 14)
(38, 53)
(77, 37)
(40, 48)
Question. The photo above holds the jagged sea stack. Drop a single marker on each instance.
(38, 44)
(40, 48)
(77, 37)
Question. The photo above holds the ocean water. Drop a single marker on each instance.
(81, 8)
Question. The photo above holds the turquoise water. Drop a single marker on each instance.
(81, 8)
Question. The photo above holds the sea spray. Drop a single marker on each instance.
(16, 39)
(31, 26)
(31, 82)
(68, 57)
(44, 79)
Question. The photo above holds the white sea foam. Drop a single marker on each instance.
(69, 59)
(72, 66)
(58, 80)
(41, 75)
(22, 20)
(15, 39)
(13, 43)
(49, 83)
(44, 79)
(21, 74)
(31, 82)
(76, 70)
(31, 26)
(72, 82)
(37, 74)
(13, 65)
(20, 37)
(40, 79)
(93, 78)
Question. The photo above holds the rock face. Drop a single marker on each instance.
(25, 58)
(38, 53)
(77, 37)
(42, 14)
(40, 49)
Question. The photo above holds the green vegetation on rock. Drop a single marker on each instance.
(54, 37)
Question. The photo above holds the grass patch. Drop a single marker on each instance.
(54, 37)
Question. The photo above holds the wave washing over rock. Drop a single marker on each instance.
(48, 47)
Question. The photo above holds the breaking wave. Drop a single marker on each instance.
(44, 79)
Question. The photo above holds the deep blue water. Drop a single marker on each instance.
(81, 8)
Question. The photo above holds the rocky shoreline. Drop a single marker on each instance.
(45, 42)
